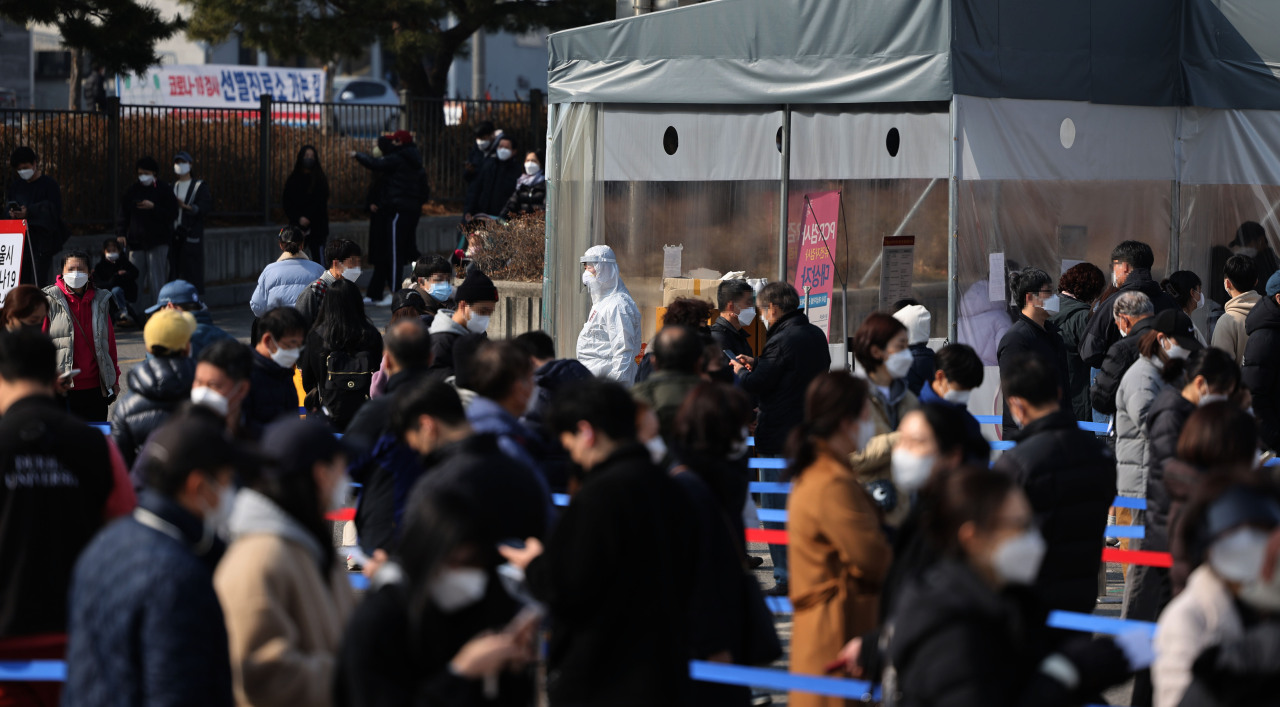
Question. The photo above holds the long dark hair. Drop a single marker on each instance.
(971, 494)
(1024, 282)
(832, 398)
(1179, 286)
(951, 433)
(314, 175)
(297, 495)
(341, 322)
(1219, 436)
(21, 302)
(438, 521)
(709, 422)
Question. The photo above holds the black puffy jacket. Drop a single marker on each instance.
(1165, 420)
(526, 199)
(1025, 336)
(794, 354)
(1119, 357)
(1101, 331)
(406, 187)
(1069, 476)
(272, 394)
(1261, 370)
(157, 386)
(496, 183)
(955, 642)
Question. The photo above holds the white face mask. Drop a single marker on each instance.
(1050, 304)
(217, 519)
(592, 282)
(1115, 280)
(1210, 398)
(211, 399)
(504, 154)
(532, 168)
(1238, 555)
(738, 449)
(899, 364)
(285, 358)
(483, 144)
(959, 397)
(1200, 300)
(146, 180)
(26, 174)
(113, 257)
(351, 274)
(181, 168)
(746, 316)
(1176, 351)
(657, 449)
(866, 430)
(478, 323)
(338, 496)
(910, 471)
(1017, 561)
(75, 280)
(456, 589)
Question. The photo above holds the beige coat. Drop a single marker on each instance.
(1229, 335)
(284, 620)
(838, 558)
(1203, 615)
(872, 462)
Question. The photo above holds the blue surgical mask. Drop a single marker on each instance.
(440, 291)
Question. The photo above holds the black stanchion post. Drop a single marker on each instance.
(264, 154)
(535, 115)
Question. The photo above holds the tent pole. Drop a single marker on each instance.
(953, 235)
(784, 192)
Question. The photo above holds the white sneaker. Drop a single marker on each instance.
(385, 301)
(368, 301)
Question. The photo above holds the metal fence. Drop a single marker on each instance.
(246, 155)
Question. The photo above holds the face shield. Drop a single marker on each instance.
(605, 280)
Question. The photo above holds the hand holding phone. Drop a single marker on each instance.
(69, 374)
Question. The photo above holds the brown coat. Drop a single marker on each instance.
(838, 558)
(284, 620)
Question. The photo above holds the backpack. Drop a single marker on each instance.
(348, 378)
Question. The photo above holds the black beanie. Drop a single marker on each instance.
(149, 163)
(477, 288)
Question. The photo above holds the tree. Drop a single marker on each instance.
(120, 35)
(417, 32)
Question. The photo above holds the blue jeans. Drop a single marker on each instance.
(122, 304)
(777, 553)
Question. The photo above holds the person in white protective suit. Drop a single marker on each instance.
(610, 340)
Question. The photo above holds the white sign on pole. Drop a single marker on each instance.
(995, 285)
(12, 240)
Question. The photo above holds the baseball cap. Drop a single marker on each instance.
(1273, 284)
(1175, 323)
(1240, 505)
(179, 292)
(183, 156)
(168, 329)
(408, 298)
(403, 137)
(293, 446)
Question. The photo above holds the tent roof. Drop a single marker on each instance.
(1209, 53)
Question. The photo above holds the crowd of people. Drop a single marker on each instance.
(187, 557)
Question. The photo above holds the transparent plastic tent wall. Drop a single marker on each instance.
(1043, 182)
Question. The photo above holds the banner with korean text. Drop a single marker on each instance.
(816, 265)
(13, 237)
(219, 86)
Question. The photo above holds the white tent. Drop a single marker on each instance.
(1043, 131)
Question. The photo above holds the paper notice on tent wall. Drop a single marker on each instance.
(1068, 264)
(671, 255)
(995, 286)
(897, 262)
(12, 235)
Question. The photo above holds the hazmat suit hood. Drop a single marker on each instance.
(606, 281)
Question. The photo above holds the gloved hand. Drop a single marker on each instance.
(1137, 647)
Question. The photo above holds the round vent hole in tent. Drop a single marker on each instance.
(670, 140)
(892, 142)
(1067, 133)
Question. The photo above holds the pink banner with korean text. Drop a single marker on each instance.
(815, 266)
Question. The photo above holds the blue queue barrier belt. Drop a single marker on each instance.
(772, 679)
(1088, 623)
(781, 487)
(33, 671)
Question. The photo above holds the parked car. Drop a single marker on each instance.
(367, 106)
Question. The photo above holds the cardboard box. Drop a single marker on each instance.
(673, 288)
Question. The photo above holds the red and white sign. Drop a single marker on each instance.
(816, 265)
(13, 239)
